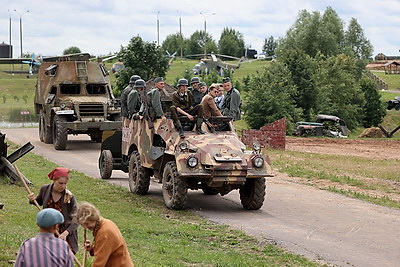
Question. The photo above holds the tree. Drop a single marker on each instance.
(231, 43)
(172, 44)
(197, 41)
(374, 109)
(356, 41)
(270, 96)
(141, 58)
(269, 47)
(71, 50)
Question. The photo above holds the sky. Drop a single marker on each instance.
(101, 27)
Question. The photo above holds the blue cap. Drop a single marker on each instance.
(49, 217)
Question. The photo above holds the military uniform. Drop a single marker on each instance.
(231, 105)
(124, 100)
(154, 104)
(134, 102)
(197, 95)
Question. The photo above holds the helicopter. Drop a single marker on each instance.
(212, 62)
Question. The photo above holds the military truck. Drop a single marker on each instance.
(73, 96)
(216, 162)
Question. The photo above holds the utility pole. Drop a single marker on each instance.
(205, 31)
(180, 34)
(158, 29)
(10, 47)
(20, 27)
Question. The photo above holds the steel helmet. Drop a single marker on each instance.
(140, 83)
(194, 80)
(182, 82)
(134, 78)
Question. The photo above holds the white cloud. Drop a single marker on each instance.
(100, 27)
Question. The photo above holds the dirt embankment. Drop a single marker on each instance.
(370, 148)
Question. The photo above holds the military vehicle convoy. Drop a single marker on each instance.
(73, 96)
(216, 162)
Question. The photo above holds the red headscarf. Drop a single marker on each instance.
(58, 172)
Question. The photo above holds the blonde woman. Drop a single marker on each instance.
(108, 247)
(56, 195)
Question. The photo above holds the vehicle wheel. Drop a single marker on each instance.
(209, 190)
(174, 188)
(252, 193)
(60, 133)
(139, 176)
(96, 137)
(106, 164)
(45, 134)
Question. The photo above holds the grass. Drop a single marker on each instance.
(393, 80)
(375, 180)
(155, 235)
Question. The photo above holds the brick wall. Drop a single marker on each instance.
(269, 136)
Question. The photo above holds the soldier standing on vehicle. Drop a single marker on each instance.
(195, 90)
(154, 100)
(210, 109)
(182, 103)
(124, 100)
(232, 101)
(135, 99)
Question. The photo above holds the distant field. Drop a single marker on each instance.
(393, 80)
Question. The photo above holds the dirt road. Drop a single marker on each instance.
(320, 225)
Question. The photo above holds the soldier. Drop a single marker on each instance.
(195, 90)
(154, 100)
(182, 103)
(124, 99)
(232, 101)
(210, 109)
(203, 88)
(135, 99)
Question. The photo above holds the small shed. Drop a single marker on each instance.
(392, 67)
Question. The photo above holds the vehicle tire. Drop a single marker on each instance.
(106, 164)
(45, 134)
(252, 193)
(139, 176)
(60, 133)
(174, 188)
(209, 190)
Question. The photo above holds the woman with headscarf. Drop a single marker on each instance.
(108, 247)
(56, 195)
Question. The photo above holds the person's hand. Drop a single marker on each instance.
(87, 245)
(64, 235)
(163, 118)
(31, 197)
(190, 117)
(141, 117)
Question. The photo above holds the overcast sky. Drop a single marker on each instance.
(101, 27)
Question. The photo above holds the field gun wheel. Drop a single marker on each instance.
(139, 176)
(60, 133)
(174, 188)
(106, 164)
(45, 134)
(252, 193)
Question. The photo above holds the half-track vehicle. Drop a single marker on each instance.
(73, 96)
(216, 162)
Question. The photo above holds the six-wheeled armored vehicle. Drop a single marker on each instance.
(216, 162)
(73, 96)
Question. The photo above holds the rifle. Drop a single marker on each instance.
(208, 123)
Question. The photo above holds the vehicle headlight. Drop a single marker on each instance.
(183, 146)
(256, 146)
(258, 162)
(62, 105)
(192, 161)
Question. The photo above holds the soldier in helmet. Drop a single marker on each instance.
(232, 101)
(182, 104)
(154, 100)
(135, 99)
(124, 100)
(195, 90)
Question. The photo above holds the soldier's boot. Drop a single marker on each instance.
(179, 128)
(198, 126)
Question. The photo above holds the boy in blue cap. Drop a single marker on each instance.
(45, 249)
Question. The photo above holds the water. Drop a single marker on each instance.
(7, 124)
